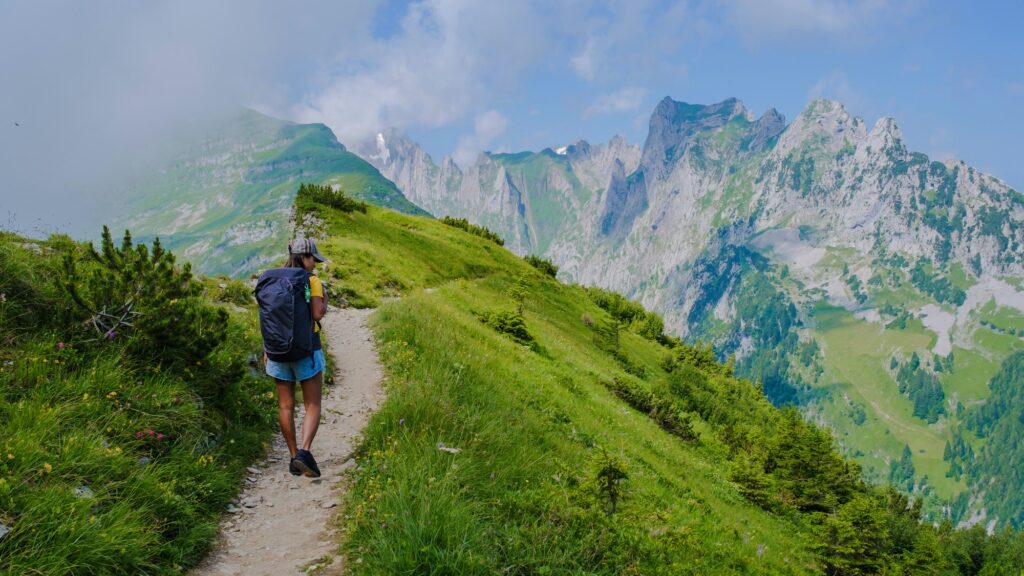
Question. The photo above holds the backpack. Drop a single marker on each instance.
(285, 319)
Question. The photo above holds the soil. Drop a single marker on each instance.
(283, 524)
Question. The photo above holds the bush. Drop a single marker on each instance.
(542, 264)
(129, 293)
(114, 463)
(327, 196)
(463, 224)
(663, 409)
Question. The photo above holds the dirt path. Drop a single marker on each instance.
(282, 524)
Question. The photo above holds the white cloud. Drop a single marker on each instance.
(584, 63)
(836, 86)
(626, 100)
(97, 88)
(449, 60)
(487, 127)
(842, 20)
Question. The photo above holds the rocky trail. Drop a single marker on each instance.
(282, 524)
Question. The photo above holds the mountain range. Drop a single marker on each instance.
(876, 289)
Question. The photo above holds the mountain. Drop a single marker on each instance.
(534, 427)
(533, 199)
(233, 184)
(877, 289)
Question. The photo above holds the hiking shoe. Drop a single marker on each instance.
(304, 461)
(293, 467)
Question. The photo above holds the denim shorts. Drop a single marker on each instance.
(298, 370)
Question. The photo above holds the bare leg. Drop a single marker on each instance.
(311, 390)
(286, 413)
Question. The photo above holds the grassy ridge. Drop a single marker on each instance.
(115, 460)
(491, 456)
(530, 427)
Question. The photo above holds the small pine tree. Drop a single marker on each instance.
(134, 294)
(610, 474)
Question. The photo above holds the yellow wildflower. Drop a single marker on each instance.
(47, 467)
(85, 396)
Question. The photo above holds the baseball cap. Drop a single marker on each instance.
(305, 246)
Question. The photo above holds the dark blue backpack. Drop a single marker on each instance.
(285, 319)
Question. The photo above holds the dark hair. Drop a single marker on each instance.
(295, 261)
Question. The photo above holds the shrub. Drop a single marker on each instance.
(542, 264)
(130, 293)
(610, 472)
(328, 196)
(511, 324)
(463, 224)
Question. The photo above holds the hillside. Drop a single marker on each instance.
(874, 288)
(120, 447)
(223, 198)
(533, 427)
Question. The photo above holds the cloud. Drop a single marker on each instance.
(626, 100)
(836, 86)
(584, 64)
(630, 40)
(487, 127)
(97, 87)
(447, 61)
(791, 20)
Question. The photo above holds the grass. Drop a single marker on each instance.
(259, 163)
(110, 464)
(519, 496)
(857, 354)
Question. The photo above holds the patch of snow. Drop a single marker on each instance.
(941, 322)
(562, 150)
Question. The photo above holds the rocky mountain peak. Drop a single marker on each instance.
(768, 126)
(885, 134)
(673, 124)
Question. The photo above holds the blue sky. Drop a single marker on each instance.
(94, 85)
(951, 73)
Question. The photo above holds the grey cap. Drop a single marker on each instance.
(305, 246)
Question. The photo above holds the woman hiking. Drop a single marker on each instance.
(292, 302)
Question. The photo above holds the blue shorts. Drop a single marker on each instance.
(299, 370)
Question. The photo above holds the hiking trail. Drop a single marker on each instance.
(283, 524)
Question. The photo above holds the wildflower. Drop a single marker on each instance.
(3, 296)
(138, 434)
(60, 345)
(110, 334)
(111, 394)
(159, 436)
(10, 456)
(47, 467)
(85, 396)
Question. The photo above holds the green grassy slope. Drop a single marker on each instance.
(118, 454)
(231, 188)
(488, 455)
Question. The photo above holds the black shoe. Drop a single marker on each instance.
(293, 467)
(304, 461)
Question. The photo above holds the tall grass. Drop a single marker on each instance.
(110, 464)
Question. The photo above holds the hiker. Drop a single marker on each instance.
(292, 302)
